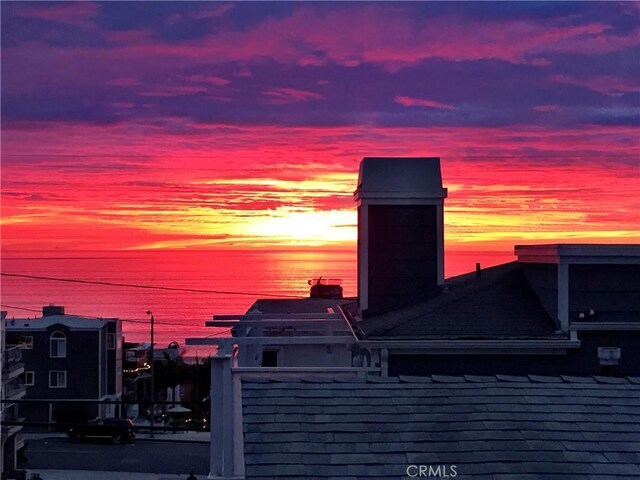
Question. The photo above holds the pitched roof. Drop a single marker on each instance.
(496, 427)
(500, 304)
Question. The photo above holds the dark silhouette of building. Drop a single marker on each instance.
(559, 309)
(524, 370)
(67, 357)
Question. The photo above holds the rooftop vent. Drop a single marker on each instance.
(609, 358)
(325, 288)
(50, 310)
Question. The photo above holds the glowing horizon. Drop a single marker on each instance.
(210, 125)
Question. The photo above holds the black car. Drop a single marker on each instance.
(197, 424)
(120, 430)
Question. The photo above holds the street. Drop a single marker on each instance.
(151, 456)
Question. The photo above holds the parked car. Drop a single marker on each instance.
(197, 424)
(120, 430)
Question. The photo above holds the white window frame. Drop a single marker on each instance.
(111, 341)
(60, 339)
(27, 342)
(29, 374)
(60, 375)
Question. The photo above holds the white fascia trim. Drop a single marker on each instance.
(470, 345)
(605, 326)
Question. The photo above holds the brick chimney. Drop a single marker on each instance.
(400, 232)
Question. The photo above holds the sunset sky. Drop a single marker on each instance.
(207, 125)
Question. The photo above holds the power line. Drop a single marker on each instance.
(20, 308)
(150, 287)
(127, 320)
(454, 156)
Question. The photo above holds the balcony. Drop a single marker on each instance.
(11, 365)
(12, 354)
(8, 430)
(14, 391)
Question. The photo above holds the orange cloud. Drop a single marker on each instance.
(80, 187)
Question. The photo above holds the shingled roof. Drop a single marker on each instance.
(493, 427)
(499, 304)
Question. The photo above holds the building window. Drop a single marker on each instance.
(57, 379)
(111, 341)
(270, 358)
(26, 342)
(29, 378)
(58, 342)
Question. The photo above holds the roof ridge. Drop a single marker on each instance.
(448, 297)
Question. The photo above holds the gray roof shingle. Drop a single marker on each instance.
(488, 427)
(501, 304)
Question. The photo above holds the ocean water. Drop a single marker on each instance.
(244, 276)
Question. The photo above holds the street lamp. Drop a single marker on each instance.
(153, 391)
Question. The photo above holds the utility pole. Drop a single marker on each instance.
(153, 387)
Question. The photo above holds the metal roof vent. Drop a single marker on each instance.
(609, 358)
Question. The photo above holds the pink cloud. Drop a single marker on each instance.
(123, 82)
(311, 60)
(290, 95)
(351, 37)
(209, 12)
(210, 79)
(91, 175)
(540, 62)
(422, 102)
(129, 37)
(244, 72)
(346, 36)
(604, 84)
(547, 108)
(350, 41)
(123, 105)
(69, 13)
(213, 11)
(174, 90)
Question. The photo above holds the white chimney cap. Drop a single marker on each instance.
(400, 178)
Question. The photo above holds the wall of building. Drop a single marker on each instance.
(543, 278)
(579, 362)
(315, 355)
(611, 291)
(82, 364)
(298, 355)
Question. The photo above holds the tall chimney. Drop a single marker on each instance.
(400, 232)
